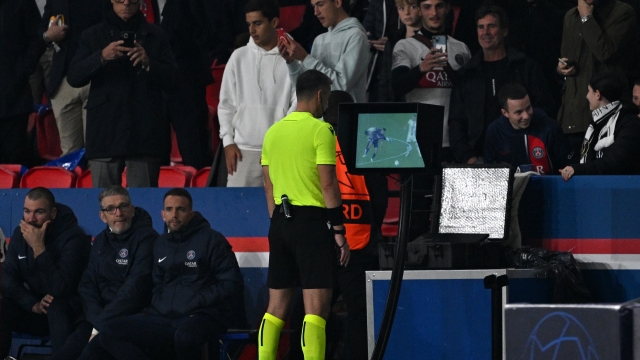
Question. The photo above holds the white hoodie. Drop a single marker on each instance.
(342, 54)
(256, 92)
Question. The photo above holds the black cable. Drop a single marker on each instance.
(397, 271)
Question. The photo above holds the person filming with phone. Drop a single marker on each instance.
(422, 64)
(129, 64)
(598, 35)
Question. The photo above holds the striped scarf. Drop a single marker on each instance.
(605, 137)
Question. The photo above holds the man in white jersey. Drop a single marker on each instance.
(420, 72)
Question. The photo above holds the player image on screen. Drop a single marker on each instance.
(411, 135)
(385, 134)
(374, 135)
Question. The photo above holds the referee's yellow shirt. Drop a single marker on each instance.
(293, 148)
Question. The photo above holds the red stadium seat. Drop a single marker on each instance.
(200, 178)
(189, 169)
(172, 177)
(391, 218)
(84, 180)
(291, 17)
(8, 179)
(48, 176)
(213, 90)
(16, 168)
(175, 157)
(48, 136)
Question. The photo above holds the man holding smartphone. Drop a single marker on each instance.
(422, 65)
(126, 124)
(598, 35)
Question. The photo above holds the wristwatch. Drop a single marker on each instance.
(585, 18)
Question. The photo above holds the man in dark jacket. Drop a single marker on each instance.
(194, 278)
(199, 32)
(71, 18)
(21, 50)
(524, 135)
(598, 36)
(40, 275)
(117, 281)
(474, 98)
(126, 124)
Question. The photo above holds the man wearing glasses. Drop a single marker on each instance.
(196, 280)
(129, 64)
(117, 281)
(40, 275)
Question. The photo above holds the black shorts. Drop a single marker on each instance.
(302, 250)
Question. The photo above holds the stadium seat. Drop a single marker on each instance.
(200, 178)
(391, 218)
(213, 90)
(291, 17)
(170, 177)
(84, 180)
(48, 136)
(48, 176)
(9, 179)
(16, 168)
(175, 157)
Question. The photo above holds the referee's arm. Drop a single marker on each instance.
(332, 199)
(268, 190)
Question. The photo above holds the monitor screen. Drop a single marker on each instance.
(389, 138)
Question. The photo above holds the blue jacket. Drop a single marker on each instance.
(56, 271)
(195, 271)
(542, 144)
(117, 281)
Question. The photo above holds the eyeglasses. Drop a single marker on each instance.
(130, 1)
(111, 210)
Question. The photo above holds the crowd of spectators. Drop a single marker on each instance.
(120, 74)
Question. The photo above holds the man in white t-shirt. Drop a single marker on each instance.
(421, 72)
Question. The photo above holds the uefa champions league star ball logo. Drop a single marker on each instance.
(191, 255)
(123, 253)
(559, 336)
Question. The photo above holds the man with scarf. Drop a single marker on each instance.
(129, 64)
(611, 145)
(598, 35)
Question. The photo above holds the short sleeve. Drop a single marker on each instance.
(400, 56)
(325, 144)
(264, 157)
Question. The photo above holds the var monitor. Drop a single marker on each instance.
(388, 138)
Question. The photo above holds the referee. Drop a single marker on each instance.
(303, 198)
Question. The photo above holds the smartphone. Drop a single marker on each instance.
(128, 37)
(440, 42)
(283, 35)
(568, 63)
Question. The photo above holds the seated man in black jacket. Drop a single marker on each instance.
(40, 275)
(195, 275)
(117, 281)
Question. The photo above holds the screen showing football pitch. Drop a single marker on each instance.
(388, 140)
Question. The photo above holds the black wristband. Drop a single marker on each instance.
(336, 217)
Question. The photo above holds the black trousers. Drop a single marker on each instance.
(15, 147)
(59, 322)
(154, 337)
(79, 347)
(188, 112)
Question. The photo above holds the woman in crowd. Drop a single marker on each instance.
(611, 145)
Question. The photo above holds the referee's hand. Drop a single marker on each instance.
(343, 245)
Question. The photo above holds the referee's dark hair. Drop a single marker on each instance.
(180, 192)
(511, 91)
(310, 82)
